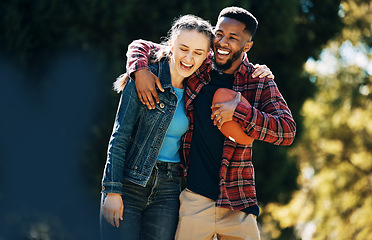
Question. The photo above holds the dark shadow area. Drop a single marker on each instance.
(44, 128)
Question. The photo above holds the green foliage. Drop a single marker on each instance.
(335, 150)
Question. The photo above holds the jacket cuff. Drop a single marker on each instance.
(112, 188)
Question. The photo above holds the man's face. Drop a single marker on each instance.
(230, 44)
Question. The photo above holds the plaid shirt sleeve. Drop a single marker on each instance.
(138, 54)
(268, 118)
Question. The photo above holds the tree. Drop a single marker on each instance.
(335, 150)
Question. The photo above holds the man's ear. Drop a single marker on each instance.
(248, 45)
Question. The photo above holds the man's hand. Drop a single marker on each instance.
(223, 112)
(146, 83)
(262, 71)
(113, 209)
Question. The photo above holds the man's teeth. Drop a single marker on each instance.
(222, 52)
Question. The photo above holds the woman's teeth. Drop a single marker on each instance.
(186, 65)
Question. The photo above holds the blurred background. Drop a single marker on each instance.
(59, 58)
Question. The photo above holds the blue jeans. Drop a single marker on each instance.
(151, 212)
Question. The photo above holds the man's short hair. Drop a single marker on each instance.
(241, 15)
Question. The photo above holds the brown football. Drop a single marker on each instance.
(231, 129)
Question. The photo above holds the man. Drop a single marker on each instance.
(220, 194)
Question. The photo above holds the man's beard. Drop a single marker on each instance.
(223, 67)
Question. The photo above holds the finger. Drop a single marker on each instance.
(116, 220)
(219, 123)
(155, 96)
(106, 214)
(216, 119)
(237, 96)
(257, 72)
(271, 75)
(121, 212)
(215, 113)
(151, 96)
(149, 101)
(112, 222)
(215, 106)
(216, 122)
(266, 73)
(158, 84)
(110, 219)
(140, 96)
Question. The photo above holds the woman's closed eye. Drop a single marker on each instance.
(184, 49)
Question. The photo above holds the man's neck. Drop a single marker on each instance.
(235, 65)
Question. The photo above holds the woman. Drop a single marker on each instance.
(140, 185)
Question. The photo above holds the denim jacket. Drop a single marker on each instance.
(138, 133)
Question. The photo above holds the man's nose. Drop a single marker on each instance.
(223, 41)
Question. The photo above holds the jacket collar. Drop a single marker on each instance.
(164, 73)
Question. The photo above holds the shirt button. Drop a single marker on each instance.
(103, 189)
(136, 167)
(161, 105)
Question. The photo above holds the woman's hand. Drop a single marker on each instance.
(113, 209)
(262, 71)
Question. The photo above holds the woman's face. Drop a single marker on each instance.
(189, 50)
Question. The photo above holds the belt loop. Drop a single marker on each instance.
(169, 170)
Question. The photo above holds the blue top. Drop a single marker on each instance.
(172, 141)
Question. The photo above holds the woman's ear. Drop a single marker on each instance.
(171, 46)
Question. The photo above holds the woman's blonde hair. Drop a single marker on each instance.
(185, 22)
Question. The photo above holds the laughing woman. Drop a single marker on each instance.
(141, 186)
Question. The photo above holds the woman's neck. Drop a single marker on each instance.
(177, 80)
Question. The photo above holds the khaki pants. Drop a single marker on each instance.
(200, 220)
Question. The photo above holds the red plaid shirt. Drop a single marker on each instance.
(267, 119)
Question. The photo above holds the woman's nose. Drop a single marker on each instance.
(188, 57)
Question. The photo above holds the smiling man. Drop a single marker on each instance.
(220, 194)
(232, 40)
